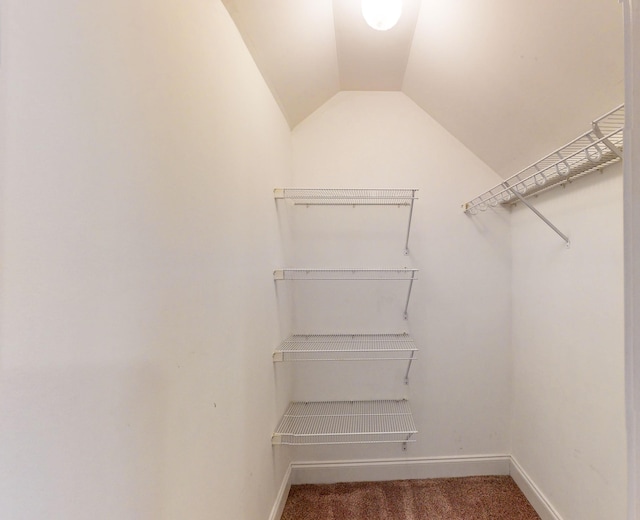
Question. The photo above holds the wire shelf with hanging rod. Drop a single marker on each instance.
(597, 148)
(346, 422)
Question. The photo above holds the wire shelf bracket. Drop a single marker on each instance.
(357, 274)
(348, 347)
(597, 148)
(540, 215)
(351, 197)
(346, 422)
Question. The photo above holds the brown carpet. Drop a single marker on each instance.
(468, 498)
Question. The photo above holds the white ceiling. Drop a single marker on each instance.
(512, 80)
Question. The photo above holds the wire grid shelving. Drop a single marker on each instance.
(352, 197)
(345, 274)
(357, 274)
(597, 148)
(348, 197)
(346, 422)
(346, 347)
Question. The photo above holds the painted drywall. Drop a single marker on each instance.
(568, 347)
(632, 252)
(459, 310)
(140, 146)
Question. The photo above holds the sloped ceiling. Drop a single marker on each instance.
(511, 80)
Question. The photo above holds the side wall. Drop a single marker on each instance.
(568, 344)
(140, 147)
(632, 249)
(459, 311)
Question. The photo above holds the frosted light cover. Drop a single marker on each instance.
(382, 15)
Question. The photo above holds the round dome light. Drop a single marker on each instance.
(382, 15)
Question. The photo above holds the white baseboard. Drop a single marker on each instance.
(537, 499)
(398, 469)
(281, 498)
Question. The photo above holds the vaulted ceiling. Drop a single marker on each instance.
(512, 80)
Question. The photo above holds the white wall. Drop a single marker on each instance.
(568, 389)
(140, 146)
(139, 149)
(459, 311)
(632, 251)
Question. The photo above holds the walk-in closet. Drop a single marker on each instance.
(258, 250)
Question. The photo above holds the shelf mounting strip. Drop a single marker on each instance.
(597, 148)
(351, 197)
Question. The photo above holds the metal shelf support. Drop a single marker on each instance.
(406, 375)
(406, 306)
(406, 242)
(540, 215)
(605, 140)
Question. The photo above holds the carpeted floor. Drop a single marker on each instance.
(468, 498)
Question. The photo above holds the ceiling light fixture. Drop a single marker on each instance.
(382, 15)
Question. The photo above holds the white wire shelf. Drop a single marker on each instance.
(598, 147)
(351, 197)
(346, 347)
(345, 274)
(348, 197)
(357, 274)
(346, 422)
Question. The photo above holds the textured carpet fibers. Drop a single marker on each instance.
(468, 498)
